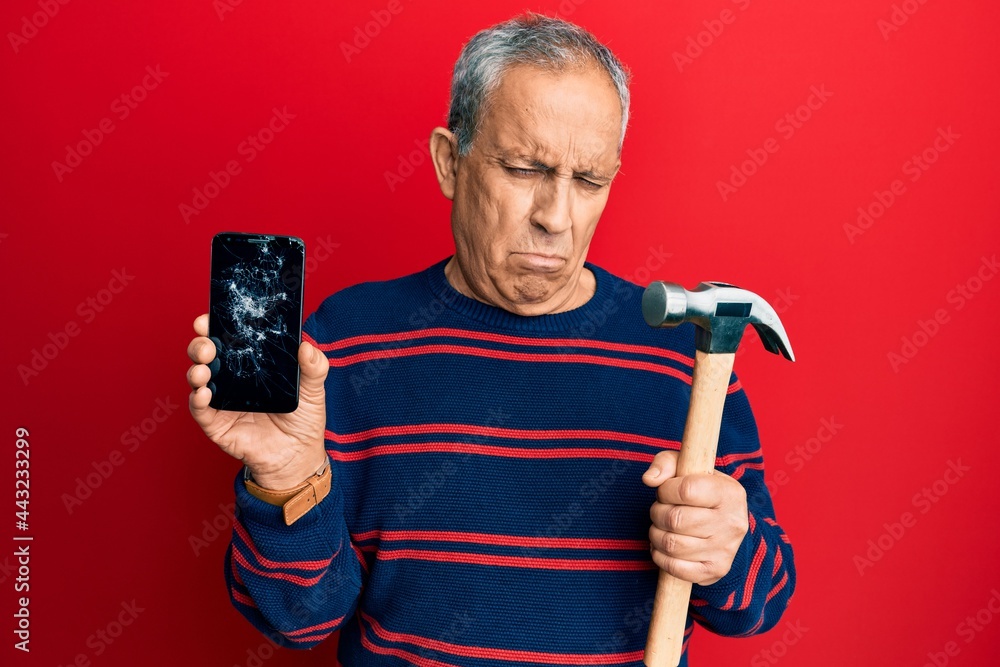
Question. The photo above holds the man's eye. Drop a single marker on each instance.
(520, 171)
(590, 185)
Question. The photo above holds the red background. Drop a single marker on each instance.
(846, 301)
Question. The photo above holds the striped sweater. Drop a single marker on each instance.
(487, 507)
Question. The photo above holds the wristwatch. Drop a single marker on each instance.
(296, 501)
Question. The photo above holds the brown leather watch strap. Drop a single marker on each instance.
(297, 501)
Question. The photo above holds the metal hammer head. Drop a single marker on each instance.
(721, 313)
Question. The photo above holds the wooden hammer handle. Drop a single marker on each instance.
(697, 455)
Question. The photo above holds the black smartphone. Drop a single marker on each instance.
(255, 321)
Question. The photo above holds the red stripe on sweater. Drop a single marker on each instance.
(233, 568)
(515, 561)
(292, 564)
(313, 628)
(505, 355)
(729, 459)
(504, 540)
(410, 658)
(500, 338)
(490, 653)
(514, 434)
(301, 581)
(777, 562)
(755, 564)
(491, 450)
(242, 599)
(777, 588)
(742, 468)
(315, 638)
(528, 434)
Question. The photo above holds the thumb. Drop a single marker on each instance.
(315, 367)
(662, 468)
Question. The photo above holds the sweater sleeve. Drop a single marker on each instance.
(753, 595)
(297, 584)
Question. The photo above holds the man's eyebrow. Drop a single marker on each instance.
(592, 175)
(535, 163)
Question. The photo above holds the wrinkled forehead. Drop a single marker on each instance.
(553, 116)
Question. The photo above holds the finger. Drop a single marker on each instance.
(315, 367)
(684, 519)
(201, 350)
(662, 467)
(198, 404)
(201, 324)
(684, 547)
(698, 490)
(198, 375)
(694, 571)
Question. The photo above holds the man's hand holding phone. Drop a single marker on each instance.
(281, 450)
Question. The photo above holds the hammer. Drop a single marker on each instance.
(720, 313)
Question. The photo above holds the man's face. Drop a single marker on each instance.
(528, 195)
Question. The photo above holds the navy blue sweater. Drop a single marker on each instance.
(487, 507)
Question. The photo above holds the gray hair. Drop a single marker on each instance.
(532, 39)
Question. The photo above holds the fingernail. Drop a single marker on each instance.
(653, 472)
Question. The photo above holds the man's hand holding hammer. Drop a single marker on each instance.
(695, 534)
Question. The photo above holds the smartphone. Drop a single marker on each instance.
(255, 321)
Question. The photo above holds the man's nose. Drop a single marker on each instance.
(553, 204)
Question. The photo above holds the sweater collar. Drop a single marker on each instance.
(498, 318)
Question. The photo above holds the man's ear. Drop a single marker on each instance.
(444, 154)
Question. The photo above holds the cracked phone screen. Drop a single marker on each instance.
(256, 314)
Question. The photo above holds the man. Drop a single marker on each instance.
(471, 474)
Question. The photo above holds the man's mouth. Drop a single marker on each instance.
(543, 262)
